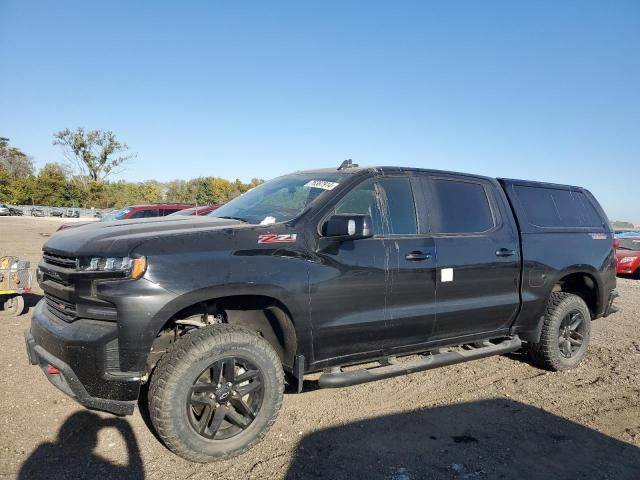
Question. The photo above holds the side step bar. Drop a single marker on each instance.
(334, 378)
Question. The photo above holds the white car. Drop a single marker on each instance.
(4, 210)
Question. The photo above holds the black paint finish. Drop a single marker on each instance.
(348, 300)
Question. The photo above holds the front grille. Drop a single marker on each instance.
(62, 309)
(59, 260)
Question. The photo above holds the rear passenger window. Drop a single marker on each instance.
(460, 207)
(389, 202)
(169, 211)
(145, 213)
(553, 208)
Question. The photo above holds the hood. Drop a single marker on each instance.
(620, 253)
(120, 237)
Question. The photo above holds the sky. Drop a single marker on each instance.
(542, 90)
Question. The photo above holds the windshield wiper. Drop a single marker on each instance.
(234, 218)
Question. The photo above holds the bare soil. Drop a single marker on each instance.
(494, 418)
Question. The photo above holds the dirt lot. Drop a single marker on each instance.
(493, 418)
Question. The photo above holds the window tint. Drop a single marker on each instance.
(145, 213)
(389, 202)
(169, 211)
(549, 207)
(460, 207)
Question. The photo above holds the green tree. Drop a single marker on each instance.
(14, 163)
(95, 154)
(54, 187)
(178, 191)
(4, 184)
(622, 224)
(23, 191)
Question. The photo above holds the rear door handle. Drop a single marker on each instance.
(417, 256)
(505, 252)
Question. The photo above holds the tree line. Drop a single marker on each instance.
(91, 157)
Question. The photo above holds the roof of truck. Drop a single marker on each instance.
(395, 169)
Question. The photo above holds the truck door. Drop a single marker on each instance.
(477, 257)
(381, 293)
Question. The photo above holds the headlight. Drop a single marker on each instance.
(627, 259)
(134, 267)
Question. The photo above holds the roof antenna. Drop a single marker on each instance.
(348, 163)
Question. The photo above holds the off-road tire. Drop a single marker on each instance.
(546, 353)
(175, 373)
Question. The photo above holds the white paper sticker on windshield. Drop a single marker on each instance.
(323, 184)
(268, 221)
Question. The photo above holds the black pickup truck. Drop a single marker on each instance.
(400, 268)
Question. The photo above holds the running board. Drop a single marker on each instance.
(391, 367)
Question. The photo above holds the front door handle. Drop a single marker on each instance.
(417, 256)
(505, 252)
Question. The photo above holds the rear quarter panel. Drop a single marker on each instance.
(549, 254)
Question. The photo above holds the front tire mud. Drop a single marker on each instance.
(216, 393)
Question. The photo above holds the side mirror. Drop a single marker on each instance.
(348, 227)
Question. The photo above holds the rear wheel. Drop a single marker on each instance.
(565, 333)
(216, 393)
(12, 306)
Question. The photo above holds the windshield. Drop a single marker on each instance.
(280, 199)
(629, 243)
(117, 215)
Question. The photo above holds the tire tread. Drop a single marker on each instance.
(186, 350)
(543, 353)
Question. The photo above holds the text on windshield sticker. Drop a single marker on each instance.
(323, 184)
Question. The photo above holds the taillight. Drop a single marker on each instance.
(616, 244)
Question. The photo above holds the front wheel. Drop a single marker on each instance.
(216, 392)
(566, 332)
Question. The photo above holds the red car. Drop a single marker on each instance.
(195, 211)
(135, 211)
(628, 255)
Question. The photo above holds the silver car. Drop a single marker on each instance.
(4, 210)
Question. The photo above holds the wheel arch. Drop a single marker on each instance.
(583, 284)
(262, 313)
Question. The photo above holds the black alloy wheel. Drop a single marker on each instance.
(225, 398)
(571, 337)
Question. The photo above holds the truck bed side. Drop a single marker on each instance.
(566, 244)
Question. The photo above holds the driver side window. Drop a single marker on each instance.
(389, 203)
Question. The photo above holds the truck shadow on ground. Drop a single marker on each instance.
(72, 455)
(485, 439)
(30, 301)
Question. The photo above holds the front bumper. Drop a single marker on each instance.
(82, 352)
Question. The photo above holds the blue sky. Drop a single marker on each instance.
(541, 90)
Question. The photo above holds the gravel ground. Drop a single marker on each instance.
(494, 418)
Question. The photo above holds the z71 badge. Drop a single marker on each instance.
(275, 238)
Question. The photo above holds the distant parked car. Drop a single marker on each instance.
(37, 212)
(72, 213)
(195, 211)
(628, 255)
(628, 233)
(4, 210)
(135, 212)
(56, 212)
(15, 211)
